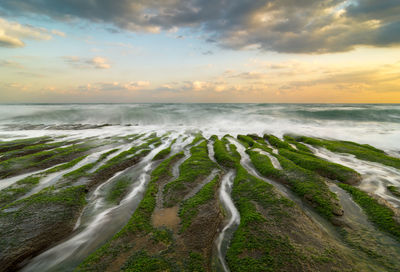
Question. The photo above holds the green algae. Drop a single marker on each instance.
(380, 215)
(28, 226)
(155, 142)
(6, 146)
(141, 261)
(198, 137)
(25, 185)
(278, 143)
(322, 167)
(250, 236)
(304, 158)
(31, 149)
(222, 155)
(70, 196)
(80, 172)
(163, 235)
(253, 247)
(251, 141)
(106, 154)
(42, 159)
(287, 145)
(118, 190)
(164, 153)
(190, 207)
(140, 222)
(264, 165)
(304, 183)
(84, 170)
(65, 166)
(258, 244)
(246, 140)
(361, 151)
(358, 240)
(151, 136)
(197, 166)
(194, 262)
(140, 227)
(298, 145)
(126, 156)
(21, 187)
(394, 190)
(107, 170)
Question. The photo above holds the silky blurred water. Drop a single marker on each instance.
(375, 124)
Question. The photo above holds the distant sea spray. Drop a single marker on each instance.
(376, 124)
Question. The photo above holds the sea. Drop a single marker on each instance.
(374, 124)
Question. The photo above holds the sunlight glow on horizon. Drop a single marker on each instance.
(348, 54)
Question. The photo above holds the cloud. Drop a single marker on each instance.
(58, 33)
(115, 86)
(294, 81)
(95, 62)
(99, 63)
(12, 34)
(299, 77)
(11, 64)
(353, 81)
(8, 41)
(312, 26)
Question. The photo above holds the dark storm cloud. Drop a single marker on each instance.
(374, 9)
(295, 26)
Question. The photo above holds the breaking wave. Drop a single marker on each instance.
(374, 124)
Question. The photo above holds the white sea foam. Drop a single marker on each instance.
(377, 125)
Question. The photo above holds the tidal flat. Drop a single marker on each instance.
(154, 197)
(187, 202)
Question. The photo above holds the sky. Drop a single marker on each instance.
(263, 51)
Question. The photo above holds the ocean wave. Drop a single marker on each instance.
(152, 114)
(367, 123)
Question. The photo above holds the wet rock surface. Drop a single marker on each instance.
(29, 226)
(300, 208)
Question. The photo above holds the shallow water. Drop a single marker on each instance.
(180, 145)
(99, 221)
(53, 178)
(375, 177)
(274, 160)
(358, 221)
(11, 180)
(232, 216)
(245, 161)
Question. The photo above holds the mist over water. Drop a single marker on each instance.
(375, 124)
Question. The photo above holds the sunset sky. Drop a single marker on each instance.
(311, 51)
